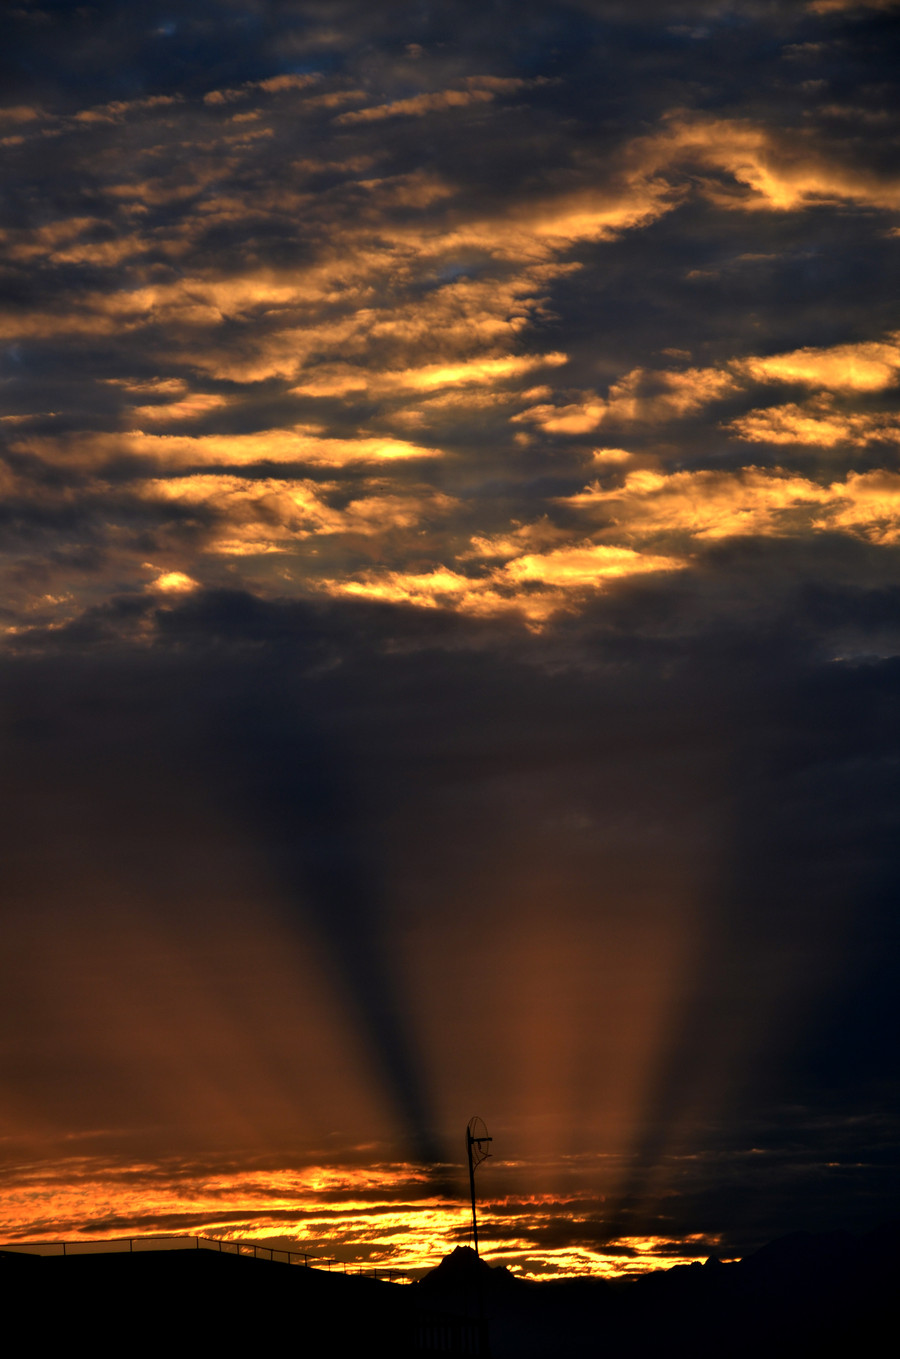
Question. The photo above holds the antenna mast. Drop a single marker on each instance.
(476, 1151)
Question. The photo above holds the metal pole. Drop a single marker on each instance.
(472, 1191)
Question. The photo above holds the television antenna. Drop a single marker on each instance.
(477, 1141)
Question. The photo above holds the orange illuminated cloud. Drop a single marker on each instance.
(611, 455)
(273, 85)
(271, 515)
(417, 106)
(866, 367)
(419, 296)
(431, 377)
(298, 444)
(49, 240)
(544, 228)
(174, 582)
(709, 505)
(118, 109)
(190, 407)
(460, 326)
(535, 585)
(817, 422)
(584, 566)
(382, 1215)
(18, 113)
(833, 6)
(641, 395)
(364, 244)
(782, 170)
(188, 302)
(648, 396)
(868, 503)
(579, 417)
(521, 539)
(657, 396)
(702, 504)
(479, 90)
(274, 445)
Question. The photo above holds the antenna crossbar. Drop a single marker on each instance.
(477, 1138)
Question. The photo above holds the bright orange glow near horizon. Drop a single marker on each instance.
(334, 1215)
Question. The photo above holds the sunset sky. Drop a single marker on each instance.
(450, 507)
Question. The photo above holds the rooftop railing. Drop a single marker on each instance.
(137, 1244)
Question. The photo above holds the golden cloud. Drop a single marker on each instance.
(535, 586)
(655, 396)
(710, 505)
(868, 503)
(704, 504)
(543, 227)
(460, 401)
(834, 6)
(174, 582)
(540, 536)
(355, 318)
(784, 172)
(61, 242)
(530, 234)
(341, 378)
(417, 106)
(479, 90)
(818, 423)
(190, 407)
(451, 325)
(188, 302)
(273, 85)
(641, 395)
(638, 189)
(585, 565)
(865, 367)
(649, 396)
(19, 113)
(580, 417)
(607, 455)
(278, 84)
(301, 444)
(118, 109)
(272, 514)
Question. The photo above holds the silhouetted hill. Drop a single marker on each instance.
(462, 1274)
(801, 1297)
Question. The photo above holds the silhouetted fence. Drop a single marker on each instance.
(136, 1244)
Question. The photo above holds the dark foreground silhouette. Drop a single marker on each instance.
(804, 1295)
